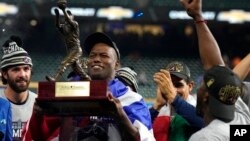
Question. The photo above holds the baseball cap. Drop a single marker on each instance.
(179, 69)
(14, 54)
(127, 76)
(224, 88)
(99, 37)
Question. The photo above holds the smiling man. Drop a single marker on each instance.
(131, 118)
(16, 67)
(132, 112)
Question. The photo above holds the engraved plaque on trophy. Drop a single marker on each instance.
(74, 98)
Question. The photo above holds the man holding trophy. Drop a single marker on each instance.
(130, 119)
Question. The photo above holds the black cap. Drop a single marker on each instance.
(224, 88)
(99, 37)
(179, 69)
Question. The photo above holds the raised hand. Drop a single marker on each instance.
(159, 101)
(193, 8)
(164, 82)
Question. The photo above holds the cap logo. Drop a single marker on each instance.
(26, 59)
(12, 48)
(229, 94)
(176, 68)
(210, 82)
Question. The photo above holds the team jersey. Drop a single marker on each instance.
(20, 114)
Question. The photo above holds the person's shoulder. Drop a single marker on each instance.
(246, 83)
(212, 132)
(246, 88)
(32, 94)
(130, 97)
(240, 105)
(4, 101)
(192, 99)
(1, 92)
(199, 136)
(242, 113)
(133, 94)
(2, 95)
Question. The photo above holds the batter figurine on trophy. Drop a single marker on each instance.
(70, 30)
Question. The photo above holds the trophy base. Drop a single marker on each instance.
(76, 107)
(74, 98)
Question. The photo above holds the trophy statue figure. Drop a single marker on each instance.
(70, 30)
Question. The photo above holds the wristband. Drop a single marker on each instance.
(201, 21)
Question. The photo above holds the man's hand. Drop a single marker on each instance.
(38, 111)
(164, 82)
(125, 124)
(160, 101)
(119, 109)
(193, 8)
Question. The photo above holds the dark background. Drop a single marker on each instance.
(234, 39)
(141, 47)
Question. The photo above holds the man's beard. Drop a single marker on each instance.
(16, 88)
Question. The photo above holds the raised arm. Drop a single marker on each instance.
(208, 48)
(186, 110)
(242, 69)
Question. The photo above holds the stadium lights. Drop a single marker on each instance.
(115, 13)
(182, 15)
(7, 9)
(81, 12)
(234, 16)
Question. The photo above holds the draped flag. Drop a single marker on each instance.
(135, 108)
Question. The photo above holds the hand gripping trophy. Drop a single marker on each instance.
(70, 30)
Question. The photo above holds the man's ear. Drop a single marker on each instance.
(3, 74)
(117, 65)
(191, 85)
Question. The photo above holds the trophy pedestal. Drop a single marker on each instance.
(86, 98)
